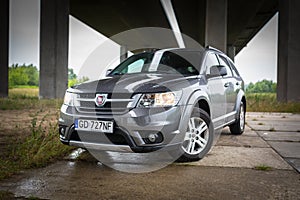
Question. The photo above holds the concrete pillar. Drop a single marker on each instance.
(123, 53)
(216, 24)
(4, 38)
(54, 44)
(231, 52)
(288, 83)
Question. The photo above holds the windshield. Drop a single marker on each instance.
(186, 63)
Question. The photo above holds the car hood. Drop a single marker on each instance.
(137, 83)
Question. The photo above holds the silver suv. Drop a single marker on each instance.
(170, 99)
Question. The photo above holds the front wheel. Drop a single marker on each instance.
(198, 137)
(239, 125)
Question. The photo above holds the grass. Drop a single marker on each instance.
(6, 195)
(263, 167)
(266, 102)
(37, 144)
(26, 98)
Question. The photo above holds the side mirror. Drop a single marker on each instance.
(108, 71)
(223, 71)
(217, 70)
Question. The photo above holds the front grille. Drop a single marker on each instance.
(116, 103)
(87, 104)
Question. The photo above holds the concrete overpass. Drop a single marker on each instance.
(225, 24)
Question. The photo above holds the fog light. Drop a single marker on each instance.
(152, 137)
(62, 131)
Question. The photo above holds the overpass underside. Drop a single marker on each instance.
(225, 24)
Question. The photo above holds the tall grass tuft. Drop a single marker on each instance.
(39, 148)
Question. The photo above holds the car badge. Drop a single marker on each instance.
(100, 99)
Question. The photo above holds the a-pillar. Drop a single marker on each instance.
(54, 36)
(216, 24)
(288, 84)
(4, 36)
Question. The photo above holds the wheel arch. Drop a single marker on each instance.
(200, 99)
(241, 98)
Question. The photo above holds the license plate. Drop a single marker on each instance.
(94, 125)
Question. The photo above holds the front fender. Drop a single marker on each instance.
(191, 102)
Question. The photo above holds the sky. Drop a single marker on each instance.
(256, 61)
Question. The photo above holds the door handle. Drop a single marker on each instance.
(226, 85)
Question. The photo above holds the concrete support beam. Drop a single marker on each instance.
(216, 24)
(54, 44)
(288, 83)
(231, 52)
(4, 46)
(123, 53)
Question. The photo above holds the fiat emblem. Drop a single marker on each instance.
(100, 99)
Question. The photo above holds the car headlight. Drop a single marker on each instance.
(69, 98)
(165, 99)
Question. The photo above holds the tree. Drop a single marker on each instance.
(264, 86)
(23, 75)
(71, 74)
(73, 79)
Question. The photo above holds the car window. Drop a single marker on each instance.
(211, 60)
(234, 70)
(178, 62)
(223, 61)
(136, 66)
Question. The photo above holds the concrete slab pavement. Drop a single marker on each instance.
(281, 131)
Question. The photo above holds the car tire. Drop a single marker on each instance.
(198, 137)
(239, 126)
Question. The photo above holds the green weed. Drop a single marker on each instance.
(263, 167)
(272, 129)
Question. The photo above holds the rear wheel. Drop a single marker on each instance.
(239, 126)
(198, 137)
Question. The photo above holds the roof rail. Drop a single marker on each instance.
(212, 48)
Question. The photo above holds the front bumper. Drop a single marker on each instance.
(131, 130)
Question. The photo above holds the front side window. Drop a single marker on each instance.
(223, 61)
(211, 63)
